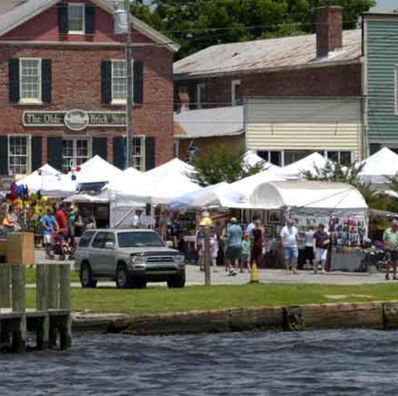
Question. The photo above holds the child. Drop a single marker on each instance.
(245, 255)
(213, 241)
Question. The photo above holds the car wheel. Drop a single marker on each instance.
(176, 281)
(138, 283)
(86, 276)
(122, 277)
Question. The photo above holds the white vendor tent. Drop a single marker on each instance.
(129, 177)
(379, 167)
(96, 170)
(219, 195)
(35, 180)
(328, 196)
(58, 185)
(307, 164)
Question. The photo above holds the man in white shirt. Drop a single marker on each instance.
(289, 238)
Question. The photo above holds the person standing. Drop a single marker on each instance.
(213, 242)
(200, 244)
(49, 226)
(250, 228)
(245, 252)
(62, 220)
(390, 239)
(289, 237)
(234, 243)
(258, 244)
(321, 245)
(309, 246)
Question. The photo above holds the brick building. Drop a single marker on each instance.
(63, 87)
(280, 80)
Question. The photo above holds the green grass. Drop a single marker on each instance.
(30, 274)
(161, 299)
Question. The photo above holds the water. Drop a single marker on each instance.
(309, 363)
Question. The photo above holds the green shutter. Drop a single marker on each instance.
(119, 152)
(54, 152)
(138, 75)
(36, 152)
(3, 155)
(150, 153)
(89, 16)
(46, 80)
(63, 18)
(106, 81)
(100, 147)
(13, 80)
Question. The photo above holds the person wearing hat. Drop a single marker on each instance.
(321, 245)
(234, 245)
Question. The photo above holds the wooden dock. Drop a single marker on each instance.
(50, 321)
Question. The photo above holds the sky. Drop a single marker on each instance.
(385, 5)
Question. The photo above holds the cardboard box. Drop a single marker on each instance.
(20, 248)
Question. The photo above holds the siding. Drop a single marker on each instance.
(381, 58)
(303, 124)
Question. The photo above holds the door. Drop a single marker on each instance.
(97, 253)
(108, 259)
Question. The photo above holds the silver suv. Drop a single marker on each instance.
(130, 257)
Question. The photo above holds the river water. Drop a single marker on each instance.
(355, 362)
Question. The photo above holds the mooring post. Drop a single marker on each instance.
(42, 330)
(53, 290)
(18, 305)
(5, 278)
(65, 329)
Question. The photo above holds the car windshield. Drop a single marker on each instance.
(139, 239)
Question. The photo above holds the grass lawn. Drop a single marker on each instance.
(31, 275)
(161, 299)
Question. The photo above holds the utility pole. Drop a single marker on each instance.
(129, 101)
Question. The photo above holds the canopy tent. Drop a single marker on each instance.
(379, 167)
(307, 195)
(96, 170)
(308, 164)
(87, 198)
(59, 186)
(35, 180)
(129, 177)
(220, 195)
(252, 159)
(174, 167)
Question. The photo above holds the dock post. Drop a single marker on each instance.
(42, 289)
(18, 306)
(65, 329)
(5, 301)
(53, 283)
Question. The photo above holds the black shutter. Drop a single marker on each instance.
(119, 154)
(100, 147)
(46, 80)
(54, 152)
(63, 18)
(89, 16)
(106, 85)
(36, 152)
(3, 155)
(13, 79)
(138, 76)
(150, 153)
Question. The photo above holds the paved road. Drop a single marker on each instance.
(196, 277)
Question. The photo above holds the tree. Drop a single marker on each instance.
(221, 165)
(197, 24)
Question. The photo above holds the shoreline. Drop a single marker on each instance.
(370, 315)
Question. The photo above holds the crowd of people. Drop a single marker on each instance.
(244, 246)
(60, 226)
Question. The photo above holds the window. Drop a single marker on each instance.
(274, 157)
(294, 156)
(19, 155)
(342, 157)
(119, 80)
(76, 18)
(201, 95)
(86, 238)
(139, 239)
(30, 79)
(236, 98)
(74, 152)
(138, 151)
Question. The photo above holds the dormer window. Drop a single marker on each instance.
(76, 18)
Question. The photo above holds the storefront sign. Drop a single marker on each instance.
(75, 120)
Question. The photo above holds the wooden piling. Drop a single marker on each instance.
(42, 287)
(5, 291)
(18, 343)
(65, 328)
(53, 283)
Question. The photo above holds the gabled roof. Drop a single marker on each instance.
(203, 123)
(16, 15)
(8, 5)
(266, 55)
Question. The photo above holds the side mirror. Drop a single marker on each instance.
(109, 245)
(169, 244)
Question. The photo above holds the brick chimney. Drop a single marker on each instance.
(329, 29)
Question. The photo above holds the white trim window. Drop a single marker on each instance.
(19, 155)
(119, 81)
(138, 153)
(201, 95)
(76, 18)
(75, 152)
(272, 156)
(236, 97)
(30, 79)
(341, 157)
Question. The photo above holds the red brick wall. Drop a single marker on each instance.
(344, 80)
(76, 83)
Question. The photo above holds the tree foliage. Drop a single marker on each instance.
(221, 165)
(197, 24)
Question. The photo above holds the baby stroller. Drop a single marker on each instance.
(60, 245)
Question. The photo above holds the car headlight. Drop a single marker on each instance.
(137, 259)
(179, 259)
